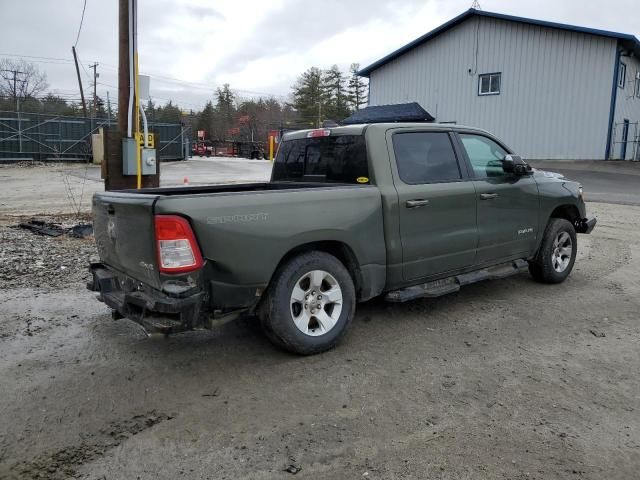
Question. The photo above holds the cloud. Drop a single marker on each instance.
(203, 11)
(255, 46)
(298, 26)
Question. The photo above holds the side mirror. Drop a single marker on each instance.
(514, 164)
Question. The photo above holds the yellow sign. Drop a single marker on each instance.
(362, 179)
(151, 139)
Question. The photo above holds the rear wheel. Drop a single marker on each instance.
(309, 305)
(557, 254)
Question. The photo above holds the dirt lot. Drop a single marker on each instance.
(67, 188)
(505, 379)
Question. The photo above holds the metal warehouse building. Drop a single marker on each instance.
(550, 90)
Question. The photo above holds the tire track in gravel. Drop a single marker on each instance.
(63, 463)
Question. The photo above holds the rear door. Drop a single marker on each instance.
(507, 204)
(437, 207)
(124, 231)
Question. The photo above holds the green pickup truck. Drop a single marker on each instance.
(404, 210)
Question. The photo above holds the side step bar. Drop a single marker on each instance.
(441, 287)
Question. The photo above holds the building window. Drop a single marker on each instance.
(489, 83)
(637, 85)
(622, 74)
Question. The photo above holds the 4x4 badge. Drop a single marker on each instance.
(111, 231)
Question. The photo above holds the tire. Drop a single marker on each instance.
(553, 262)
(328, 312)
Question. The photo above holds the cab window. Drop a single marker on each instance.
(484, 154)
(425, 157)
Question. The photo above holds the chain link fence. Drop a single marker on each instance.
(36, 136)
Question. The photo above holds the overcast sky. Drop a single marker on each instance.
(191, 46)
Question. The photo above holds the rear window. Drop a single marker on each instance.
(337, 159)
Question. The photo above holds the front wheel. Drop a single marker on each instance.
(309, 305)
(557, 254)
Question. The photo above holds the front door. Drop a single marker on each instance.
(437, 208)
(507, 204)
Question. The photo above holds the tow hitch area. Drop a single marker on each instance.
(586, 225)
(155, 311)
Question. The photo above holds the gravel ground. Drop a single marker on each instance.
(52, 189)
(28, 260)
(506, 379)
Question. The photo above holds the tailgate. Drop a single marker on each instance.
(124, 232)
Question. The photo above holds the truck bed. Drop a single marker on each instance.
(230, 188)
(243, 231)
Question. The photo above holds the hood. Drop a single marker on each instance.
(545, 174)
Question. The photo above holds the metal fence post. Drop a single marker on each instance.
(19, 125)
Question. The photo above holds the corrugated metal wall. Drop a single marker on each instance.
(627, 108)
(52, 137)
(555, 94)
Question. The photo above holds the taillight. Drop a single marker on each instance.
(178, 250)
(322, 132)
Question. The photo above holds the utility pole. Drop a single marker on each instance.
(123, 65)
(95, 84)
(75, 59)
(108, 109)
(17, 97)
(114, 166)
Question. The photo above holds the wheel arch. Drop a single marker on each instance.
(567, 211)
(343, 252)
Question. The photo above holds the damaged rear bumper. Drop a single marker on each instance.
(586, 225)
(154, 310)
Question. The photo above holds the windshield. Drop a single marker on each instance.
(337, 159)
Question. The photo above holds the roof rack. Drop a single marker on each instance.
(401, 112)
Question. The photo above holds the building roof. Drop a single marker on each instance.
(629, 41)
(402, 112)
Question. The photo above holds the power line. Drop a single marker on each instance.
(35, 56)
(81, 20)
(160, 78)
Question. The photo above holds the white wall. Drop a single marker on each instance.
(556, 86)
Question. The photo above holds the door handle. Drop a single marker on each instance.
(417, 203)
(488, 196)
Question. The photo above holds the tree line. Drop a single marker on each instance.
(318, 95)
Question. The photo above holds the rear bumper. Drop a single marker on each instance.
(156, 311)
(586, 225)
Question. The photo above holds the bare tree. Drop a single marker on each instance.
(27, 82)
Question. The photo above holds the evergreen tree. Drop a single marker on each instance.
(357, 88)
(225, 111)
(337, 100)
(309, 97)
(169, 113)
(57, 106)
(150, 111)
(205, 119)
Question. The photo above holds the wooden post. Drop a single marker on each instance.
(84, 104)
(113, 158)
